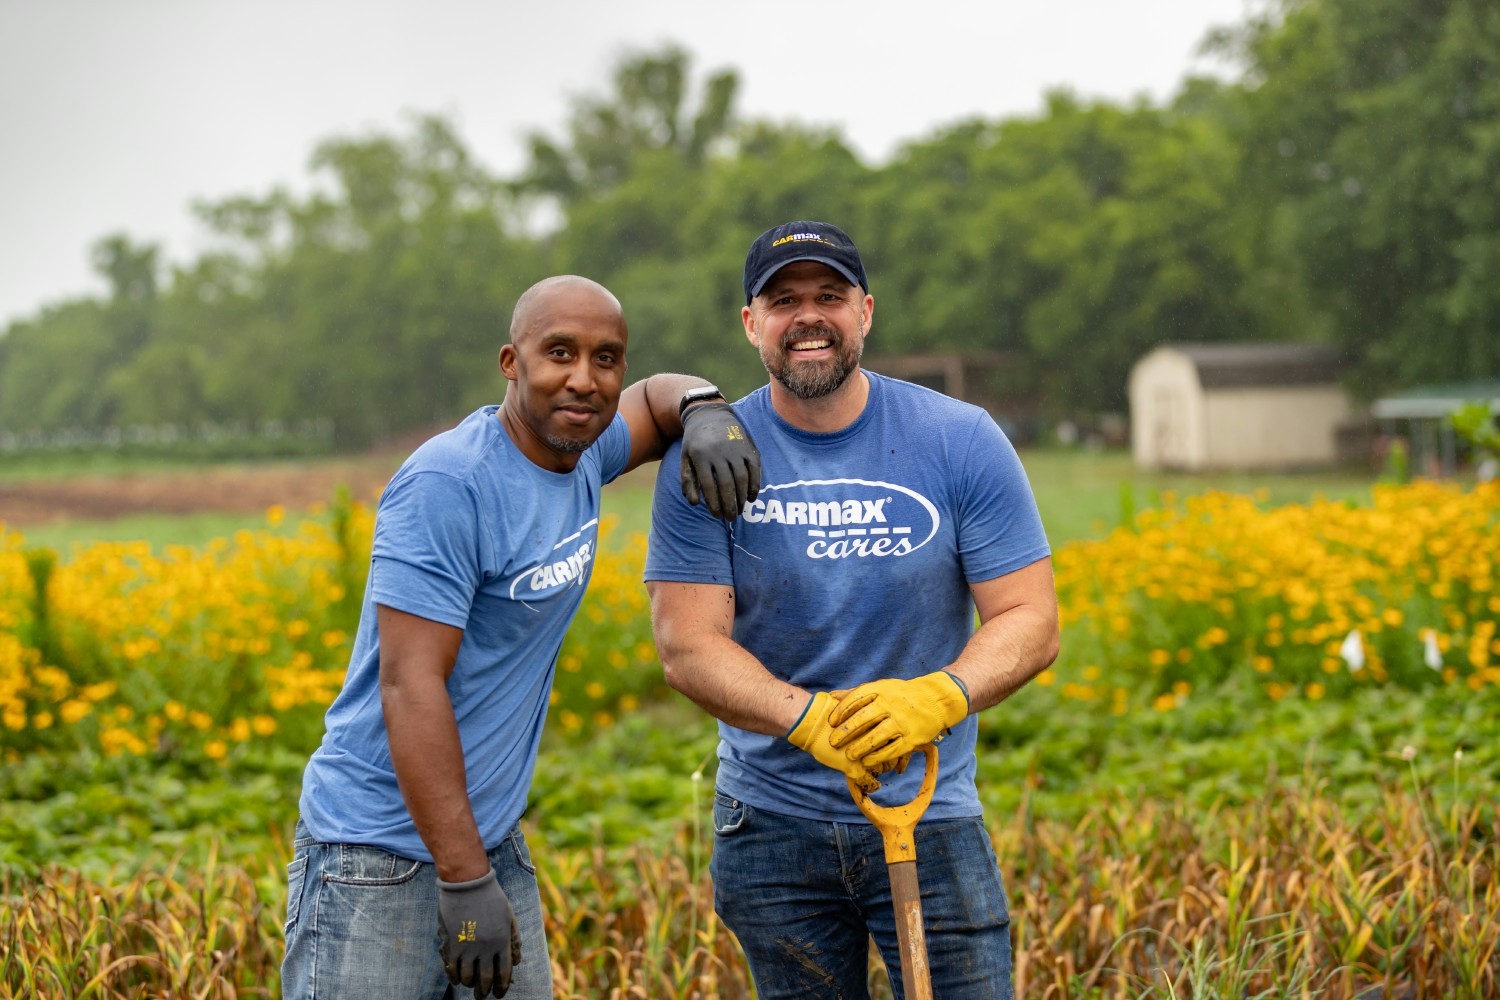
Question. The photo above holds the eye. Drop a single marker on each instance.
(607, 358)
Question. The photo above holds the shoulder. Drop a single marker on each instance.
(449, 465)
(934, 409)
(459, 451)
(755, 406)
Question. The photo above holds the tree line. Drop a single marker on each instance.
(1341, 189)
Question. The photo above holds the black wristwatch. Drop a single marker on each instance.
(697, 395)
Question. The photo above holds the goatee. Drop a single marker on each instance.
(815, 379)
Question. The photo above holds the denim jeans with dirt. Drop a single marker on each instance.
(362, 922)
(804, 897)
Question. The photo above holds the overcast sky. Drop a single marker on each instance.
(115, 115)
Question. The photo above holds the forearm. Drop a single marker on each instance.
(730, 684)
(702, 661)
(1005, 653)
(429, 763)
(663, 398)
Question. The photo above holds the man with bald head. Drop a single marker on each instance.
(410, 876)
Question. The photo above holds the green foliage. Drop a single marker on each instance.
(1339, 190)
(1476, 424)
(1370, 135)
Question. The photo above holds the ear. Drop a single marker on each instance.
(508, 362)
(748, 318)
(867, 314)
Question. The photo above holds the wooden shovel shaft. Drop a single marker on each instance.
(898, 830)
(906, 897)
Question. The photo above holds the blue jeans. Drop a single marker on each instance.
(361, 921)
(805, 896)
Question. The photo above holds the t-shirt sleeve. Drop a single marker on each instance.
(1000, 529)
(614, 449)
(688, 544)
(426, 556)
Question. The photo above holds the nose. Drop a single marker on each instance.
(581, 381)
(809, 313)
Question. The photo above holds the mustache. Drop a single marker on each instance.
(809, 332)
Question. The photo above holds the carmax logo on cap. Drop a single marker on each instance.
(848, 518)
(796, 237)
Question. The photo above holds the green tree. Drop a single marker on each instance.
(647, 111)
(1071, 243)
(1371, 131)
(380, 305)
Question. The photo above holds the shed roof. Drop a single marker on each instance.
(1437, 400)
(1259, 363)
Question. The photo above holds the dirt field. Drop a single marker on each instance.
(229, 488)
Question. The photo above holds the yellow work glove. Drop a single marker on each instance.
(811, 734)
(883, 721)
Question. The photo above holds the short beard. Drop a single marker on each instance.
(567, 446)
(814, 381)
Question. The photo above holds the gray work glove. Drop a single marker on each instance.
(480, 939)
(720, 463)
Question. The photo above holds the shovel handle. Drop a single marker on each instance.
(898, 824)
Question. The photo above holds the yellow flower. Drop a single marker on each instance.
(99, 691)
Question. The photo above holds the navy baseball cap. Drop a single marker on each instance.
(794, 241)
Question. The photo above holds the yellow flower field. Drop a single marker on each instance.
(214, 651)
(1312, 598)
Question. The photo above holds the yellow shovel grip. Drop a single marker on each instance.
(898, 824)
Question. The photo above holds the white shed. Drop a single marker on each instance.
(1236, 406)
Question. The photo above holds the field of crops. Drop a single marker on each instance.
(1265, 763)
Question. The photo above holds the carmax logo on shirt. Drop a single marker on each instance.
(849, 518)
(571, 570)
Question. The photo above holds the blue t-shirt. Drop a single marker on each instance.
(854, 564)
(472, 534)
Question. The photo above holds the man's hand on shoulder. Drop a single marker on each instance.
(720, 463)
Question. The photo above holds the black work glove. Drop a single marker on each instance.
(478, 932)
(720, 464)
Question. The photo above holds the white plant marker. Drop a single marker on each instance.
(1353, 651)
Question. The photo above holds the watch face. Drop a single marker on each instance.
(698, 395)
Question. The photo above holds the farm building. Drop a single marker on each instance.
(1420, 416)
(1237, 406)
